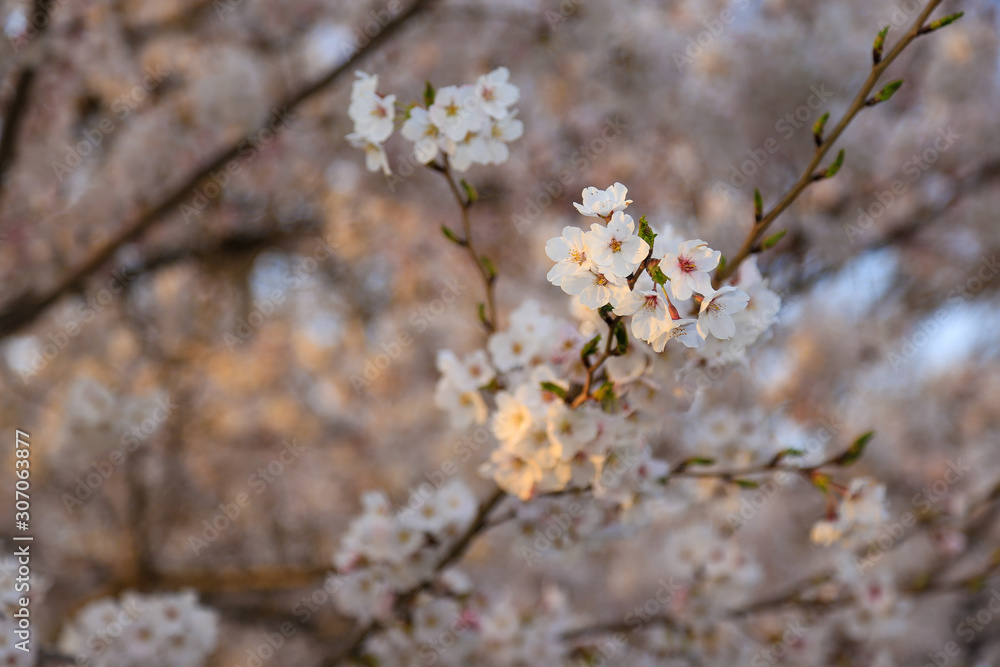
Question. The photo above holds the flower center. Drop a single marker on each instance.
(615, 245)
(451, 109)
(578, 256)
(686, 264)
(599, 279)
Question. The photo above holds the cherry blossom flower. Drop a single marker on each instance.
(602, 203)
(683, 330)
(717, 310)
(688, 268)
(615, 248)
(570, 252)
(424, 134)
(456, 113)
(647, 305)
(594, 287)
(490, 147)
(495, 94)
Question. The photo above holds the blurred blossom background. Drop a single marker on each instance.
(259, 344)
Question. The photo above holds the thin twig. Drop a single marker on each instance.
(809, 176)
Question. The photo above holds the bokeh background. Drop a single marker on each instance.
(201, 324)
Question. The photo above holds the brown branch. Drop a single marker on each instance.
(29, 306)
(810, 175)
(489, 279)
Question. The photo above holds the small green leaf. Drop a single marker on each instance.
(856, 450)
(885, 94)
(646, 232)
(553, 388)
(452, 236)
(772, 240)
(471, 196)
(746, 483)
(819, 128)
(491, 269)
(605, 309)
(590, 348)
(699, 461)
(656, 273)
(606, 395)
(758, 205)
(941, 22)
(428, 94)
(481, 307)
(783, 454)
(832, 170)
(621, 337)
(879, 46)
(722, 264)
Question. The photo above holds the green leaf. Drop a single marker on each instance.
(646, 232)
(553, 388)
(452, 236)
(482, 314)
(471, 196)
(621, 337)
(590, 348)
(605, 309)
(656, 273)
(722, 264)
(746, 483)
(491, 268)
(879, 46)
(758, 205)
(941, 22)
(772, 240)
(819, 128)
(856, 450)
(428, 94)
(606, 395)
(699, 461)
(832, 170)
(885, 94)
(783, 454)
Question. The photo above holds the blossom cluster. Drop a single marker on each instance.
(386, 552)
(544, 444)
(469, 124)
(157, 630)
(620, 265)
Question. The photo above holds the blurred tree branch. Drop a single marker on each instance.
(27, 307)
